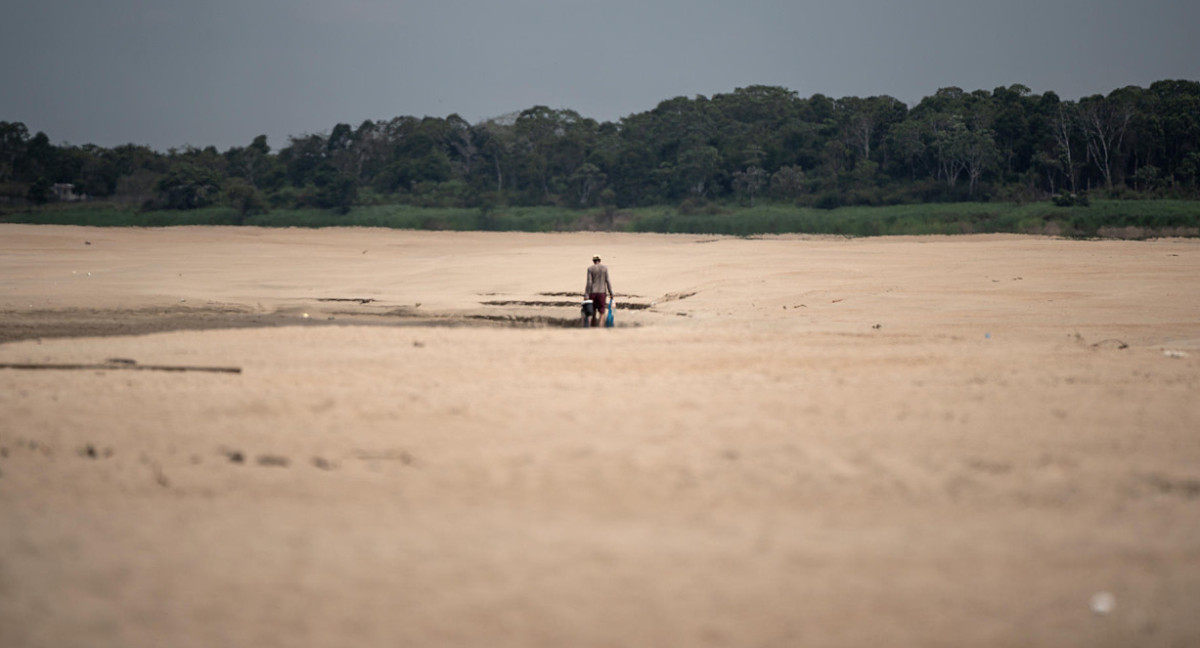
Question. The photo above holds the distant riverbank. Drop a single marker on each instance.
(1102, 218)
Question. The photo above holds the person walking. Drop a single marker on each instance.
(598, 286)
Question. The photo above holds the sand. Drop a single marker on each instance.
(785, 441)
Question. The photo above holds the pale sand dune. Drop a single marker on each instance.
(902, 441)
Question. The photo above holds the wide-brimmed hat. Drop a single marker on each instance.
(595, 257)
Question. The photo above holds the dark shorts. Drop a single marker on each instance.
(598, 301)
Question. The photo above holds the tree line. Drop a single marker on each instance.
(753, 144)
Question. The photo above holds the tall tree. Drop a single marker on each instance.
(14, 138)
(749, 182)
(696, 167)
(1064, 126)
(1177, 109)
(190, 185)
(588, 181)
(863, 120)
(1103, 121)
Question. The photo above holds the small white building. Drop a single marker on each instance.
(65, 192)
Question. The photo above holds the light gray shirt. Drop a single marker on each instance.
(597, 279)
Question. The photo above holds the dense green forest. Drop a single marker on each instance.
(754, 146)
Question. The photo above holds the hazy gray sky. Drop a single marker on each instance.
(177, 72)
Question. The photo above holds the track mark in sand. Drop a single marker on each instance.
(527, 321)
(676, 296)
(1111, 343)
(358, 300)
(1184, 488)
(403, 456)
(90, 451)
(273, 460)
(577, 294)
(559, 304)
(543, 304)
(117, 364)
